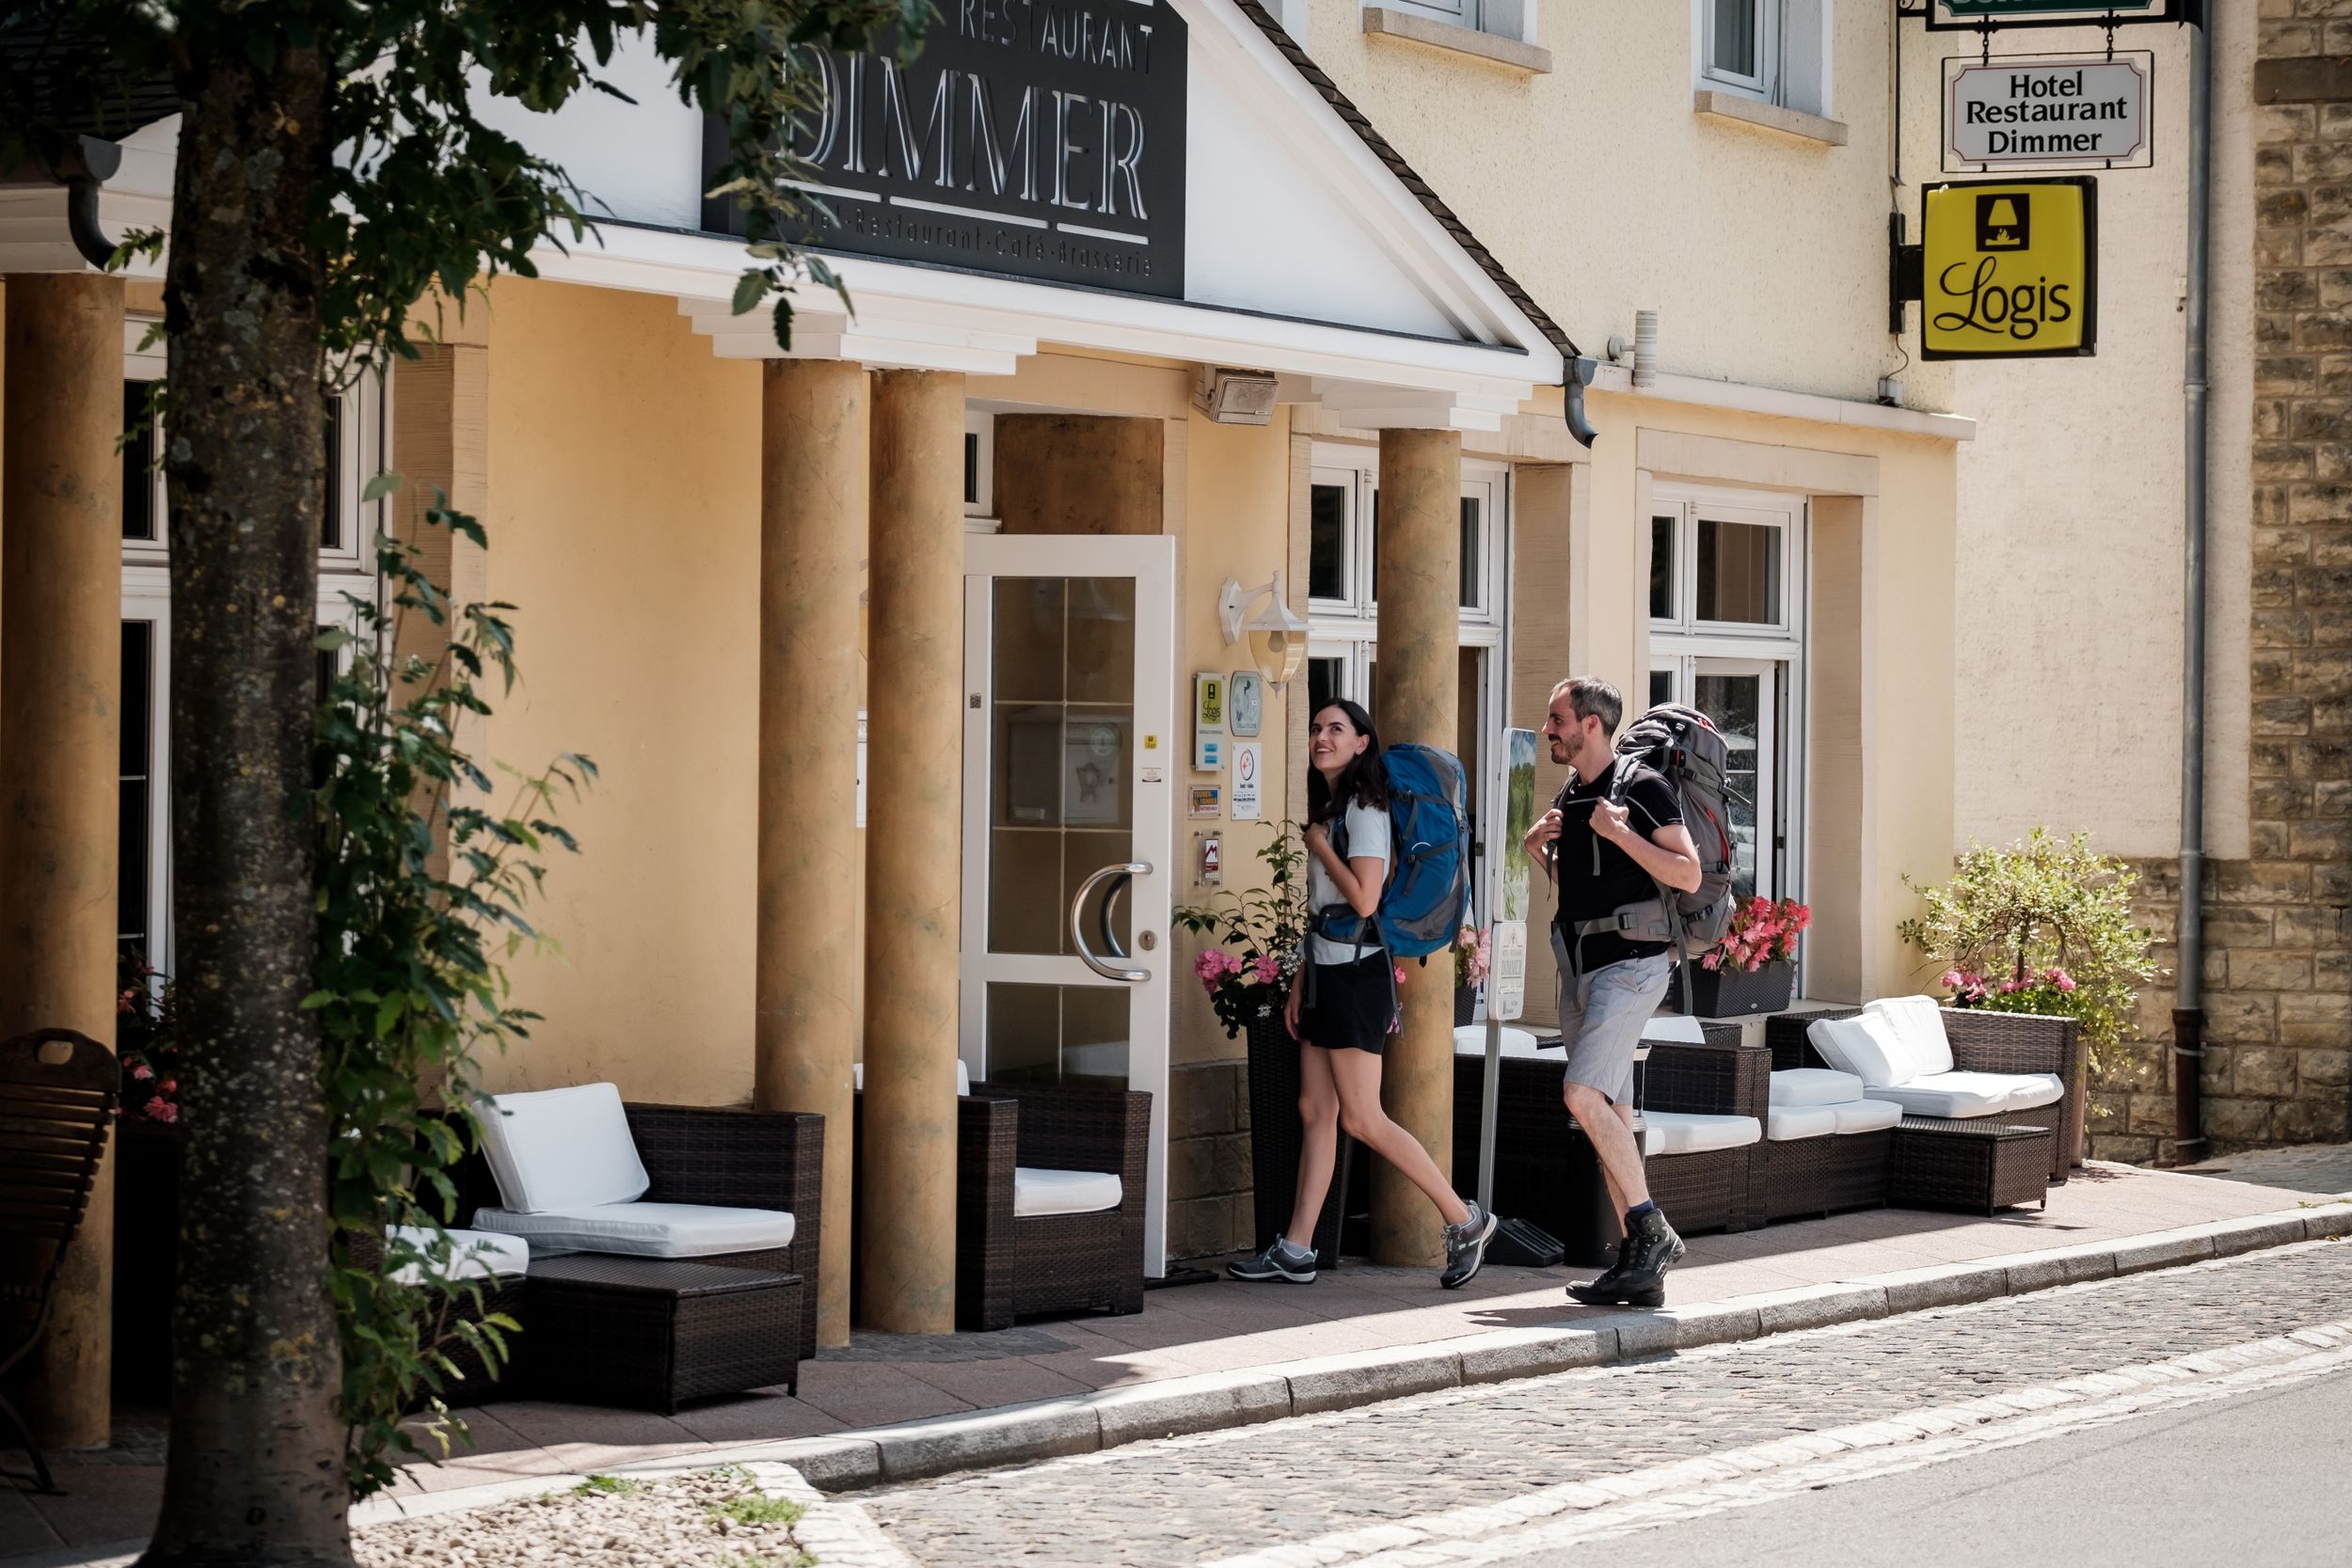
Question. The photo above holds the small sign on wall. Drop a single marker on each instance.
(1208, 722)
(1248, 759)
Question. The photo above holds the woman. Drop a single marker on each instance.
(1342, 1005)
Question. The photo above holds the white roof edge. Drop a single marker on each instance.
(1812, 407)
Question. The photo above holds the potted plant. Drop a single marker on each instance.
(1473, 955)
(1754, 967)
(2043, 926)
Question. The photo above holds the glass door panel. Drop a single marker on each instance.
(1070, 741)
(1737, 696)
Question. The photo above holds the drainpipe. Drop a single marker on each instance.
(2188, 1010)
(82, 164)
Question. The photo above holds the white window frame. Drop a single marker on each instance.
(1680, 642)
(1795, 45)
(347, 570)
(981, 423)
(1348, 629)
(1508, 19)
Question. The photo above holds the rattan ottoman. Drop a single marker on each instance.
(1940, 1163)
(653, 1333)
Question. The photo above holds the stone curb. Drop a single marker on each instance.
(1214, 1402)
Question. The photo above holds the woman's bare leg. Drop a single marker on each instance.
(1357, 1075)
(1318, 1143)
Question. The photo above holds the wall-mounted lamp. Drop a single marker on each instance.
(1277, 636)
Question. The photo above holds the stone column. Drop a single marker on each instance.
(914, 837)
(1419, 562)
(61, 750)
(813, 461)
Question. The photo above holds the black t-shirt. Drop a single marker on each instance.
(1589, 895)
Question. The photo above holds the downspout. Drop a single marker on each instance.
(81, 164)
(2188, 1010)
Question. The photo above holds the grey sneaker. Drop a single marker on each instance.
(1466, 1249)
(1281, 1260)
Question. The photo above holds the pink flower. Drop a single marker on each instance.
(2065, 981)
(1269, 969)
(122, 1003)
(1213, 964)
(169, 1085)
(141, 1072)
(1400, 980)
(1712, 960)
(160, 1109)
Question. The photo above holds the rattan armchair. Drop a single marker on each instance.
(1981, 1042)
(1544, 1173)
(723, 1156)
(1011, 1265)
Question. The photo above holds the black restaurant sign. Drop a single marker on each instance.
(1040, 139)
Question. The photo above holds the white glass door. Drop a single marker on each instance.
(1071, 754)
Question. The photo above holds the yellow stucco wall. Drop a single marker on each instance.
(1602, 191)
(624, 523)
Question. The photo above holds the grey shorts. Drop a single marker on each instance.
(1601, 1018)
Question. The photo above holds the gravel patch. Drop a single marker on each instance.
(724, 1518)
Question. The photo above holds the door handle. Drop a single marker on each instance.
(1120, 876)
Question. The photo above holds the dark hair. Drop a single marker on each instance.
(1363, 783)
(1594, 698)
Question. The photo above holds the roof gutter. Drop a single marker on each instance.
(82, 164)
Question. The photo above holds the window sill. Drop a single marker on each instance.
(1770, 116)
(1457, 40)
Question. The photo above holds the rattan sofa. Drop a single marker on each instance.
(1828, 1147)
(719, 1156)
(1981, 1042)
(1009, 1264)
(1542, 1173)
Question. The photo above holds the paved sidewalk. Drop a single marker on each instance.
(881, 1380)
(2309, 1167)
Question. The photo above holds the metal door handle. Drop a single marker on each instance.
(1123, 873)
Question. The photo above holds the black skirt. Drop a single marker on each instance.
(1349, 1006)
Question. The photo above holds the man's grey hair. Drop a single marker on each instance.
(1594, 698)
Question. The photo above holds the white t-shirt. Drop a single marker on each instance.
(1367, 839)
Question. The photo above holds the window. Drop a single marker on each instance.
(1509, 19)
(355, 437)
(1727, 638)
(1776, 51)
(979, 464)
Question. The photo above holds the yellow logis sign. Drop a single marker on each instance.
(2010, 269)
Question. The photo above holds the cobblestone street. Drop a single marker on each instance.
(1323, 1479)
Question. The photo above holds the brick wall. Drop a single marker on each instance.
(2277, 965)
(1209, 1210)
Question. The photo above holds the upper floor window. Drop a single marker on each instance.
(1773, 50)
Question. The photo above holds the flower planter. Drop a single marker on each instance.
(1735, 992)
(1465, 1005)
(146, 1248)
(1273, 1142)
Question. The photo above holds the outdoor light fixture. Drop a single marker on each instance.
(1235, 397)
(1277, 636)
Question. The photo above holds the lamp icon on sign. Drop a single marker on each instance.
(2004, 222)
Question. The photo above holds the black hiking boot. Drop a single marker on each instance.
(1656, 1249)
(1604, 1292)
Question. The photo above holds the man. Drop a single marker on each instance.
(1608, 845)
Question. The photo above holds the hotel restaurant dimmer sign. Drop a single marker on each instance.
(1042, 139)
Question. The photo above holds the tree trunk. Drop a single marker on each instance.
(256, 1465)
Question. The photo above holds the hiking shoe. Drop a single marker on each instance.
(1466, 1249)
(1656, 1249)
(1282, 1260)
(1604, 1292)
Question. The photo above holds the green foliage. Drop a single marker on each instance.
(616, 1486)
(757, 1507)
(422, 892)
(1256, 935)
(2041, 927)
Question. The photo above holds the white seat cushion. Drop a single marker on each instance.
(1952, 1094)
(562, 1149)
(1867, 1116)
(1681, 1133)
(2033, 1090)
(473, 1255)
(1919, 1024)
(1470, 1040)
(1037, 1192)
(963, 1077)
(1814, 1085)
(1864, 1045)
(1674, 1029)
(644, 1229)
(1786, 1123)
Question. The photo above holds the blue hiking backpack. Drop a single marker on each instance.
(1427, 893)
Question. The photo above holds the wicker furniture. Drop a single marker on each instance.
(1010, 1264)
(1941, 1163)
(1981, 1042)
(61, 1090)
(1825, 1146)
(493, 1269)
(654, 1333)
(720, 1157)
(1545, 1172)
